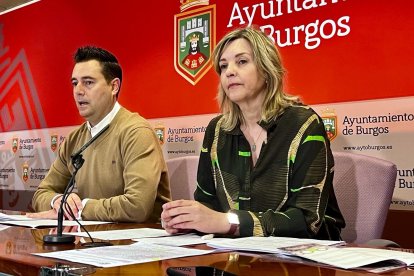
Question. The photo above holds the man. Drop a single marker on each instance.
(124, 176)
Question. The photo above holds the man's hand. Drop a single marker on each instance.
(73, 202)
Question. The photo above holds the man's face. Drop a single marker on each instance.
(194, 46)
(94, 97)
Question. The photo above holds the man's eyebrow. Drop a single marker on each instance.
(83, 78)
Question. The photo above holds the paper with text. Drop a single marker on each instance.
(22, 220)
(124, 234)
(136, 253)
(178, 240)
(351, 257)
(266, 244)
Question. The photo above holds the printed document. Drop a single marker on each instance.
(350, 257)
(5, 217)
(35, 223)
(124, 234)
(22, 220)
(179, 240)
(266, 244)
(322, 251)
(119, 255)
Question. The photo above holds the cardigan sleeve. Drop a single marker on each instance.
(309, 182)
(206, 191)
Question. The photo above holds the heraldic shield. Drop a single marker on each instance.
(194, 38)
(330, 126)
(329, 119)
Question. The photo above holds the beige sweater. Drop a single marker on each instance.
(124, 174)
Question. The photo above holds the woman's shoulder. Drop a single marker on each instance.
(299, 112)
(211, 129)
(213, 122)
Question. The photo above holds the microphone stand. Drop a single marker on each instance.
(77, 162)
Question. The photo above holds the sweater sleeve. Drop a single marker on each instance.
(54, 183)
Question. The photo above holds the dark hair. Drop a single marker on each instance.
(110, 66)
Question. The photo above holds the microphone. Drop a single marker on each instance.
(77, 162)
(78, 154)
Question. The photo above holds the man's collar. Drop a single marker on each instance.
(106, 120)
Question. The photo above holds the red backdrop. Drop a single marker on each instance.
(372, 61)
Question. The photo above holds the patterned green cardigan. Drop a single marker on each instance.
(288, 192)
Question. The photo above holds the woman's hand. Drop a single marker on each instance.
(181, 215)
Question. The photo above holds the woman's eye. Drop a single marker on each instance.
(223, 66)
(242, 61)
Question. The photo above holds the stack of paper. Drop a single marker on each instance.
(136, 253)
(326, 252)
(123, 234)
(22, 220)
(5, 217)
(267, 244)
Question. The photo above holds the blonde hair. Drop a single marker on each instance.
(268, 62)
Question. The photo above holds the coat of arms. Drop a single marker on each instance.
(15, 144)
(160, 132)
(25, 175)
(53, 142)
(330, 122)
(194, 38)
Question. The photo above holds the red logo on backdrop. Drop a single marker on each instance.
(194, 38)
(160, 132)
(330, 121)
(15, 144)
(25, 176)
(53, 142)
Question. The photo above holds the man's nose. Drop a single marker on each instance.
(78, 89)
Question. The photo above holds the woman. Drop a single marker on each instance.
(266, 167)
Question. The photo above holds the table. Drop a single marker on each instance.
(16, 244)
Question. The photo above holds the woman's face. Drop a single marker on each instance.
(239, 76)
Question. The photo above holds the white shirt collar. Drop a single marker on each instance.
(105, 121)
